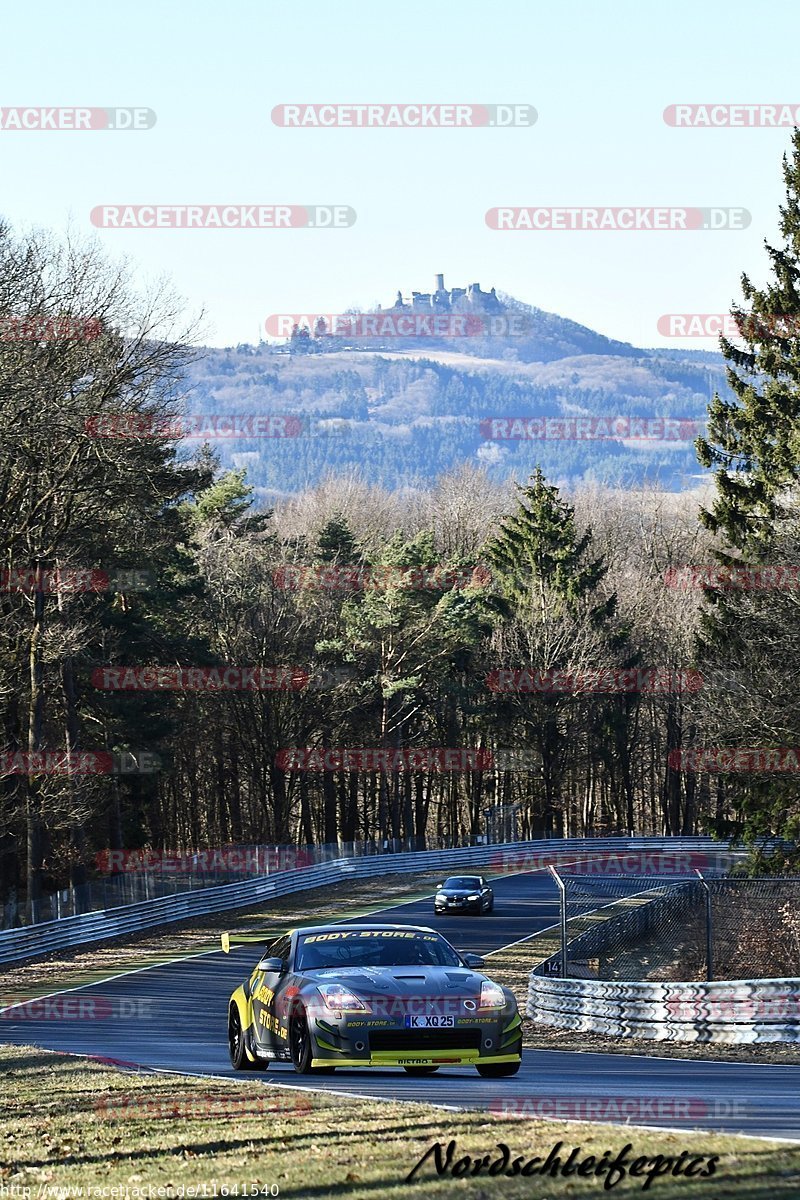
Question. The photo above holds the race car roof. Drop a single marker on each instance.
(363, 925)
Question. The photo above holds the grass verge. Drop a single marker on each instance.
(70, 1123)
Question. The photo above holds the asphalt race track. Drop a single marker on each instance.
(134, 1020)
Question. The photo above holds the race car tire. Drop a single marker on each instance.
(300, 1046)
(237, 1043)
(491, 906)
(420, 1070)
(498, 1070)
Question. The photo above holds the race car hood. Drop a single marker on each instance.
(402, 982)
(458, 893)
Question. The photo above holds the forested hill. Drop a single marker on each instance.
(406, 411)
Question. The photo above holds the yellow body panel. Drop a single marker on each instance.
(245, 1015)
(411, 1058)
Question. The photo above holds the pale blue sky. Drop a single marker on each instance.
(599, 75)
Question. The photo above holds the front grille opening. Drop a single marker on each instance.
(425, 1039)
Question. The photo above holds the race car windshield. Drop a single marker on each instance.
(374, 948)
(462, 881)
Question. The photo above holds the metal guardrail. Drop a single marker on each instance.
(37, 940)
(742, 1011)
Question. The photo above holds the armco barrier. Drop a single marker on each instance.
(35, 940)
(743, 1011)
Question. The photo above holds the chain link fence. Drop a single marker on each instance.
(637, 928)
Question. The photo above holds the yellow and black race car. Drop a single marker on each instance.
(371, 996)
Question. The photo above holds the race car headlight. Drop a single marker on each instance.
(441, 896)
(475, 897)
(492, 995)
(338, 997)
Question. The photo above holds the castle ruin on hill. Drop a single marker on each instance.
(442, 300)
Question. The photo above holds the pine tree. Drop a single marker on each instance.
(753, 439)
(558, 621)
(540, 557)
(753, 443)
(336, 542)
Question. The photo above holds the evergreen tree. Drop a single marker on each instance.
(753, 439)
(753, 443)
(336, 542)
(558, 621)
(541, 559)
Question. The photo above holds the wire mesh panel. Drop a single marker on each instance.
(637, 928)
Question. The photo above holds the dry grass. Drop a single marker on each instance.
(68, 1123)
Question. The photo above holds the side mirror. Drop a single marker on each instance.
(474, 960)
(272, 964)
(439, 887)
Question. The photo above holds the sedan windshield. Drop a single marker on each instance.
(463, 881)
(374, 948)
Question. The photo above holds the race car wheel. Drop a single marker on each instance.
(300, 1046)
(236, 1044)
(420, 1070)
(498, 1070)
(491, 906)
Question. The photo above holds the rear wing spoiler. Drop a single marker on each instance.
(247, 939)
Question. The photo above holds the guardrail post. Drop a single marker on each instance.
(562, 887)
(709, 929)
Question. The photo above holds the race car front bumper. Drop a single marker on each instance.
(396, 1058)
(355, 1041)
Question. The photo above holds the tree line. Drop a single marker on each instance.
(549, 642)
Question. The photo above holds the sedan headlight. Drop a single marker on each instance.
(441, 896)
(475, 897)
(492, 995)
(343, 1000)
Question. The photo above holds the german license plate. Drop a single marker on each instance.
(430, 1022)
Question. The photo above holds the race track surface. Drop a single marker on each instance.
(173, 1017)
